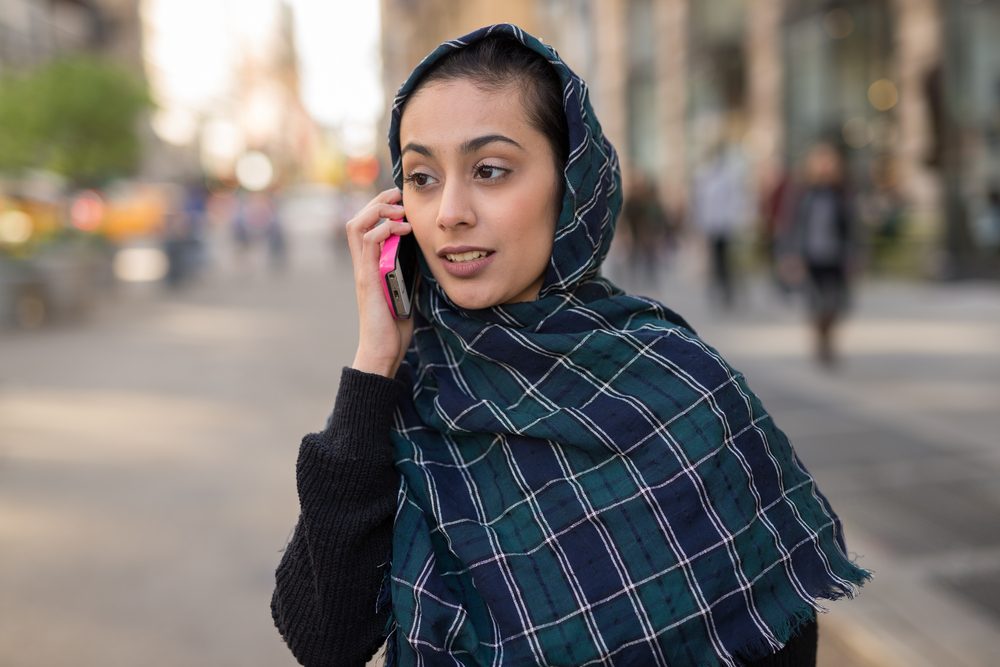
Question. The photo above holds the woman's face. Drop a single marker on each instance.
(823, 165)
(480, 190)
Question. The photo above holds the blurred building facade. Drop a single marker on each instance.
(910, 89)
(238, 95)
(32, 32)
(253, 104)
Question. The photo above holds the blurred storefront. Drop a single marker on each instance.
(909, 89)
(839, 75)
(964, 94)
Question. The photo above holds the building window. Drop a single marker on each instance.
(644, 136)
(839, 82)
(716, 106)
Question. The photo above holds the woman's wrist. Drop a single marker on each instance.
(367, 363)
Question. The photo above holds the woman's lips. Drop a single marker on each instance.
(465, 262)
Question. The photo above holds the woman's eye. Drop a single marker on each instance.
(490, 173)
(418, 179)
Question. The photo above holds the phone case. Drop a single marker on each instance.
(393, 285)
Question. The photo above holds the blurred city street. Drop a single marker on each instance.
(147, 467)
(176, 301)
(147, 460)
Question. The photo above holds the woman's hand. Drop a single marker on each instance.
(382, 339)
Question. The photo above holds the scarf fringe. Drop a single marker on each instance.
(384, 602)
(805, 613)
(853, 575)
(760, 648)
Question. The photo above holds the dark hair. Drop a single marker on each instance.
(499, 61)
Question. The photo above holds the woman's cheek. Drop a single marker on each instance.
(422, 224)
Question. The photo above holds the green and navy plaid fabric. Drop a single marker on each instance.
(583, 480)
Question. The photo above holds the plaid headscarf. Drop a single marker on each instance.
(583, 480)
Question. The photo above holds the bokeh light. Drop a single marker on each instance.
(254, 171)
(87, 211)
(883, 94)
(857, 132)
(15, 227)
(838, 23)
(140, 265)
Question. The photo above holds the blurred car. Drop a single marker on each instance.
(57, 247)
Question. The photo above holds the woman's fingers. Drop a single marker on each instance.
(390, 196)
(380, 233)
(382, 340)
(371, 242)
(369, 217)
(385, 205)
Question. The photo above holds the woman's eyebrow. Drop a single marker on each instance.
(470, 146)
(416, 148)
(473, 145)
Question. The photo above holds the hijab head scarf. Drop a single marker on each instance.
(583, 480)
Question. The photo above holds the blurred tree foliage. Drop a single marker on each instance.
(75, 116)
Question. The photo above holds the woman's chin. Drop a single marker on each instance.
(477, 297)
(471, 301)
(481, 301)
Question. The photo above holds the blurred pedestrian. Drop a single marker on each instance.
(539, 468)
(987, 223)
(649, 231)
(184, 235)
(721, 209)
(257, 220)
(775, 218)
(822, 245)
(277, 240)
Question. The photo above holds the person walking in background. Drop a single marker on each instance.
(721, 209)
(821, 245)
(538, 468)
(277, 241)
(184, 235)
(775, 202)
(257, 219)
(987, 223)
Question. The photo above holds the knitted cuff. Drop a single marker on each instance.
(364, 401)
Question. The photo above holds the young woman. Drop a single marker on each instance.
(539, 469)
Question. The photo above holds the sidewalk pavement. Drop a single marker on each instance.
(147, 462)
(903, 439)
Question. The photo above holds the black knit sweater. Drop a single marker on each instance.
(330, 575)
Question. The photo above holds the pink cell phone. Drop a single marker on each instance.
(398, 268)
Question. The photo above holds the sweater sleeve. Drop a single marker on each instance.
(330, 575)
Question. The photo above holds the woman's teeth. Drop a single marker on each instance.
(466, 256)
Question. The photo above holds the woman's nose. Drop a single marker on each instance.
(455, 208)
